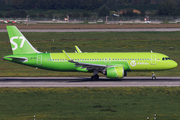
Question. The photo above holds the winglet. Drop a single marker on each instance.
(67, 56)
(78, 50)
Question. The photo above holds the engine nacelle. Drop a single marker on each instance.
(115, 72)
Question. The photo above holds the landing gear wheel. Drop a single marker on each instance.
(153, 78)
(95, 77)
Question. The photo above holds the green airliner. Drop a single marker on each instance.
(113, 65)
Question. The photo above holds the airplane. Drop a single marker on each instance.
(112, 64)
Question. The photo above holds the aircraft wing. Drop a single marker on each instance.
(78, 50)
(88, 66)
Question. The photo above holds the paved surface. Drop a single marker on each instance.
(94, 30)
(86, 82)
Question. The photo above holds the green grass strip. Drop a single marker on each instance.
(90, 103)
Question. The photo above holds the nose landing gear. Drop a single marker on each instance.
(153, 76)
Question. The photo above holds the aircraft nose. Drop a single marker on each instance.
(174, 64)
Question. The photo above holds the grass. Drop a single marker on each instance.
(93, 42)
(90, 103)
(90, 26)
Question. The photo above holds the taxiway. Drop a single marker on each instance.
(98, 30)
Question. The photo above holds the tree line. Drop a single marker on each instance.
(102, 7)
(77, 4)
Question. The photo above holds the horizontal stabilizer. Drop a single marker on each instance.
(23, 59)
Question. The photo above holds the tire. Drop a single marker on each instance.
(93, 78)
(96, 77)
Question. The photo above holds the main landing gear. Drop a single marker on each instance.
(95, 75)
(153, 76)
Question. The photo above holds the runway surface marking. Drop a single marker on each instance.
(96, 30)
(86, 82)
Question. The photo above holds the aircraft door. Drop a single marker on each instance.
(153, 59)
(39, 60)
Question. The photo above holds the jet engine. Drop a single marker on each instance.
(115, 72)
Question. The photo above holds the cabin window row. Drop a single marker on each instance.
(97, 59)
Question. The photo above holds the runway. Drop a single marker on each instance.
(86, 82)
(98, 30)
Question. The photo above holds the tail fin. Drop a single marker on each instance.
(19, 44)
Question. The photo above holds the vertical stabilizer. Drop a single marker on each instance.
(19, 44)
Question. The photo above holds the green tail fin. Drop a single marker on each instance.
(19, 44)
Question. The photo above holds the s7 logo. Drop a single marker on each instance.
(15, 44)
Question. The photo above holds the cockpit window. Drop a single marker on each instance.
(166, 58)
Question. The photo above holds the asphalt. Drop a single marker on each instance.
(96, 30)
(87, 82)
